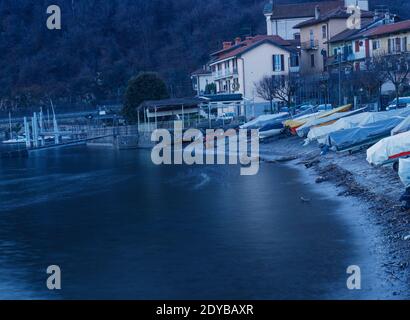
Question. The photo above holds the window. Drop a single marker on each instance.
(312, 60)
(398, 45)
(278, 62)
(294, 60)
(312, 39)
(324, 32)
(376, 44)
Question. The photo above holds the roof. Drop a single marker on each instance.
(251, 43)
(174, 102)
(299, 10)
(348, 33)
(338, 13)
(372, 32)
(387, 29)
(201, 71)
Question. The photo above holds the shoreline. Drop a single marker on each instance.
(374, 191)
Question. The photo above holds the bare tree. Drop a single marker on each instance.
(280, 88)
(395, 68)
(371, 78)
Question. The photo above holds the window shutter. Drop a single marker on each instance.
(282, 62)
(274, 62)
(389, 45)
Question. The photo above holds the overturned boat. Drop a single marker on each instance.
(271, 130)
(389, 149)
(304, 130)
(320, 134)
(359, 137)
(264, 120)
(294, 124)
(404, 126)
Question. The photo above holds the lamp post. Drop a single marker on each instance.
(339, 54)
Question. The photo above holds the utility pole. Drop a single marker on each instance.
(340, 77)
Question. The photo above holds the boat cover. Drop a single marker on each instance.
(303, 131)
(272, 125)
(321, 133)
(404, 172)
(264, 119)
(390, 148)
(402, 127)
(296, 123)
(348, 138)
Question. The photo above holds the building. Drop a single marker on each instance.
(315, 34)
(281, 19)
(239, 65)
(354, 47)
(201, 78)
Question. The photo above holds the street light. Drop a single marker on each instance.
(339, 55)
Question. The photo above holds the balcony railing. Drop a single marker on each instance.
(224, 73)
(310, 45)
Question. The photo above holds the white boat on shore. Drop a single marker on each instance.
(18, 140)
(269, 133)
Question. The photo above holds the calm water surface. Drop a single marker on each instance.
(120, 227)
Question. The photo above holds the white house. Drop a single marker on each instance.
(200, 79)
(241, 64)
(282, 18)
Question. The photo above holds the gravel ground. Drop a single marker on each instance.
(378, 189)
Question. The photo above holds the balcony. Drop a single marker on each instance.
(310, 45)
(220, 74)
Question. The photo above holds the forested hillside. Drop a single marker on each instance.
(104, 42)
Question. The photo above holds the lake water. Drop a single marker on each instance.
(120, 227)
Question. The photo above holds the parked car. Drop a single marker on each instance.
(227, 116)
(403, 103)
(324, 107)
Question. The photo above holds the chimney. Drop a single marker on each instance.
(238, 40)
(317, 12)
(226, 44)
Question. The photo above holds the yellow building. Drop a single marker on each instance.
(315, 35)
(356, 47)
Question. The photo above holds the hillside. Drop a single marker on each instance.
(104, 42)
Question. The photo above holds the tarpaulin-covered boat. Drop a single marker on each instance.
(271, 129)
(303, 131)
(321, 133)
(389, 149)
(264, 119)
(402, 127)
(294, 124)
(404, 172)
(349, 139)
